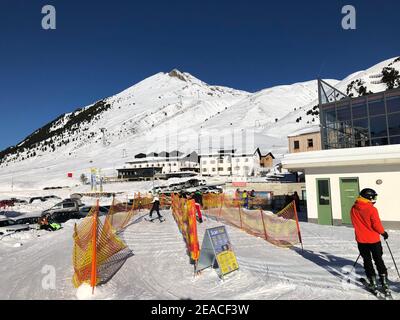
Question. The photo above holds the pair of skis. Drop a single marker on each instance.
(161, 219)
(384, 294)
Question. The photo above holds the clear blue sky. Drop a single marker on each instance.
(102, 47)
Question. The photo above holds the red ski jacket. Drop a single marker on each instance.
(367, 224)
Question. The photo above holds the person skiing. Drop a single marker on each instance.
(368, 229)
(198, 199)
(155, 207)
(245, 198)
(252, 198)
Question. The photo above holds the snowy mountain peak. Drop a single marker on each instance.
(175, 73)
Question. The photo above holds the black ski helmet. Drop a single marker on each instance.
(368, 193)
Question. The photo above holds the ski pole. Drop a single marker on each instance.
(395, 265)
(354, 265)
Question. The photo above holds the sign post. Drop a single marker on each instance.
(216, 251)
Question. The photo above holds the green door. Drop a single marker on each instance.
(349, 190)
(324, 202)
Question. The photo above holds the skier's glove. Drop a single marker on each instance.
(385, 235)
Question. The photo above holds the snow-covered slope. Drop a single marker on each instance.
(166, 112)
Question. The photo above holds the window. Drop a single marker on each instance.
(393, 104)
(212, 161)
(323, 192)
(296, 144)
(379, 142)
(204, 170)
(378, 126)
(395, 140)
(246, 160)
(220, 169)
(213, 169)
(394, 124)
(204, 162)
(221, 161)
(376, 107)
(310, 143)
(330, 115)
(359, 111)
(229, 169)
(343, 113)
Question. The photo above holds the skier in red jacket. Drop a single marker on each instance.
(368, 229)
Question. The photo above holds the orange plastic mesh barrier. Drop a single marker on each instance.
(120, 214)
(184, 212)
(281, 229)
(98, 253)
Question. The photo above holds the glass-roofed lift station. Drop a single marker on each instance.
(370, 120)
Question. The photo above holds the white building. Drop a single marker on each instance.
(335, 177)
(230, 163)
(148, 166)
(166, 164)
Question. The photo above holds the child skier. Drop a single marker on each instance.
(155, 207)
(368, 229)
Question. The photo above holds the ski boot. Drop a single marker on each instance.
(372, 285)
(385, 286)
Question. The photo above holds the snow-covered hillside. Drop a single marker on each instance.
(166, 112)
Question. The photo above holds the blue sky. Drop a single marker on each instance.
(103, 47)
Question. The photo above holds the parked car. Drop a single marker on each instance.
(62, 212)
(77, 201)
(8, 226)
(51, 197)
(15, 200)
(83, 211)
(33, 199)
(31, 220)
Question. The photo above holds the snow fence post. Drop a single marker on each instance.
(297, 224)
(265, 230)
(93, 276)
(221, 197)
(240, 216)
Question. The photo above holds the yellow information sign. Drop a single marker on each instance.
(227, 262)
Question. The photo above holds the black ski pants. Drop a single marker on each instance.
(373, 251)
(156, 209)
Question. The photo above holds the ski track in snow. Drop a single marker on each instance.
(160, 269)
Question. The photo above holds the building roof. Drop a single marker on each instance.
(389, 154)
(307, 130)
(233, 153)
(268, 154)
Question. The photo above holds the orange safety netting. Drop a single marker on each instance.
(281, 229)
(98, 252)
(184, 212)
(120, 214)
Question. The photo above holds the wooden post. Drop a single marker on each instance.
(297, 224)
(220, 208)
(240, 216)
(93, 276)
(265, 230)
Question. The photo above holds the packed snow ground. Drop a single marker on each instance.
(160, 269)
